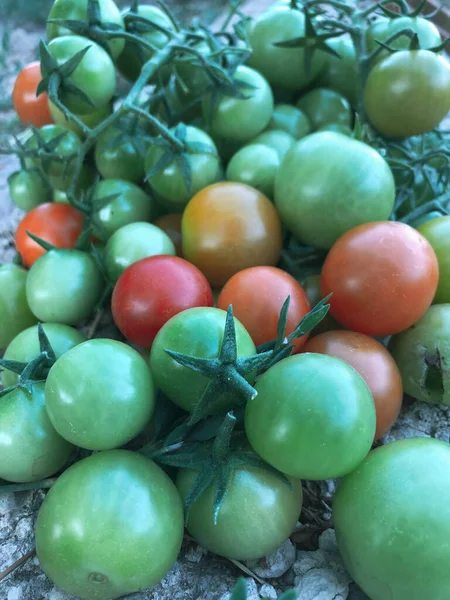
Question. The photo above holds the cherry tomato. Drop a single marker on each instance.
(408, 93)
(375, 365)
(228, 227)
(341, 72)
(171, 224)
(257, 296)
(383, 277)
(31, 108)
(437, 232)
(153, 290)
(291, 120)
(277, 139)
(15, 313)
(323, 106)
(28, 189)
(256, 165)
(56, 223)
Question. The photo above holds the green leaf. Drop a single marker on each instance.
(93, 12)
(44, 344)
(13, 365)
(221, 445)
(46, 245)
(84, 240)
(71, 88)
(205, 366)
(48, 63)
(184, 164)
(312, 319)
(240, 590)
(248, 458)
(181, 131)
(414, 44)
(221, 484)
(69, 66)
(228, 351)
(76, 27)
(282, 321)
(163, 162)
(201, 483)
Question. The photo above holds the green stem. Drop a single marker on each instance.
(44, 484)
(437, 204)
(134, 18)
(54, 84)
(163, 130)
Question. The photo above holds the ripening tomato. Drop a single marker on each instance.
(257, 296)
(228, 227)
(171, 224)
(57, 223)
(31, 108)
(383, 277)
(153, 290)
(375, 365)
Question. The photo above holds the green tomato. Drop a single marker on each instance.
(28, 189)
(437, 232)
(341, 73)
(258, 514)
(313, 417)
(328, 184)
(408, 93)
(197, 332)
(422, 353)
(91, 120)
(240, 119)
(255, 165)
(434, 214)
(111, 525)
(30, 448)
(337, 128)
(99, 395)
(323, 106)
(132, 59)
(15, 313)
(120, 156)
(25, 346)
(169, 183)
(64, 286)
(291, 120)
(78, 11)
(133, 242)
(392, 521)
(382, 29)
(278, 140)
(85, 180)
(282, 67)
(191, 72)
(131, 205)
(95, 76)
(59, 171)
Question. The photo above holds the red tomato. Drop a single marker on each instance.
(257, 295)
(153, 290)
(383, 277)
(171, 224)
(57, 223)
(31, 108)
(375, 365)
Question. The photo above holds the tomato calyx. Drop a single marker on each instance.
(216, 462)
(240, 591)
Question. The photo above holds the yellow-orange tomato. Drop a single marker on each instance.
(257, 296)
(228, 227)
(375, 365)
(171, 224)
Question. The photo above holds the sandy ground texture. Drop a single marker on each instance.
(313, 566)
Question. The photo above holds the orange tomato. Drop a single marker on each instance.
(31, 108)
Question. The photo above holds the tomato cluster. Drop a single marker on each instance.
(268, 230)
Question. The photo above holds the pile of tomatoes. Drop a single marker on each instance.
(263, 216)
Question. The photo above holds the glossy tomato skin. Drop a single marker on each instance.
(422, 353)
(56, 223)
(153, 290)
(282, 67)
(171, 225)
(329, 183)
(313, 417)
(112, 524)
(383, 277)
(27, 190)
(15, 312)
(78, 11)
(290, 119)
(169, 182)
(31, 108)
(241, 119)
(63, 286)
(25, 346)
(197, 332)
(30, 448)
(95, 75)
(59, 171)
(408, 93)
(99, 395)
(131, 205)
(258, 514)
(255, 165)
(132, 243)
(341, 72)
(257, 296)
(391, 518)
(228, 227)
(323, 106)
(277, 139)
(131, 60)
(437, 232)
(116, 157)
(383, 29)
(375, 365)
